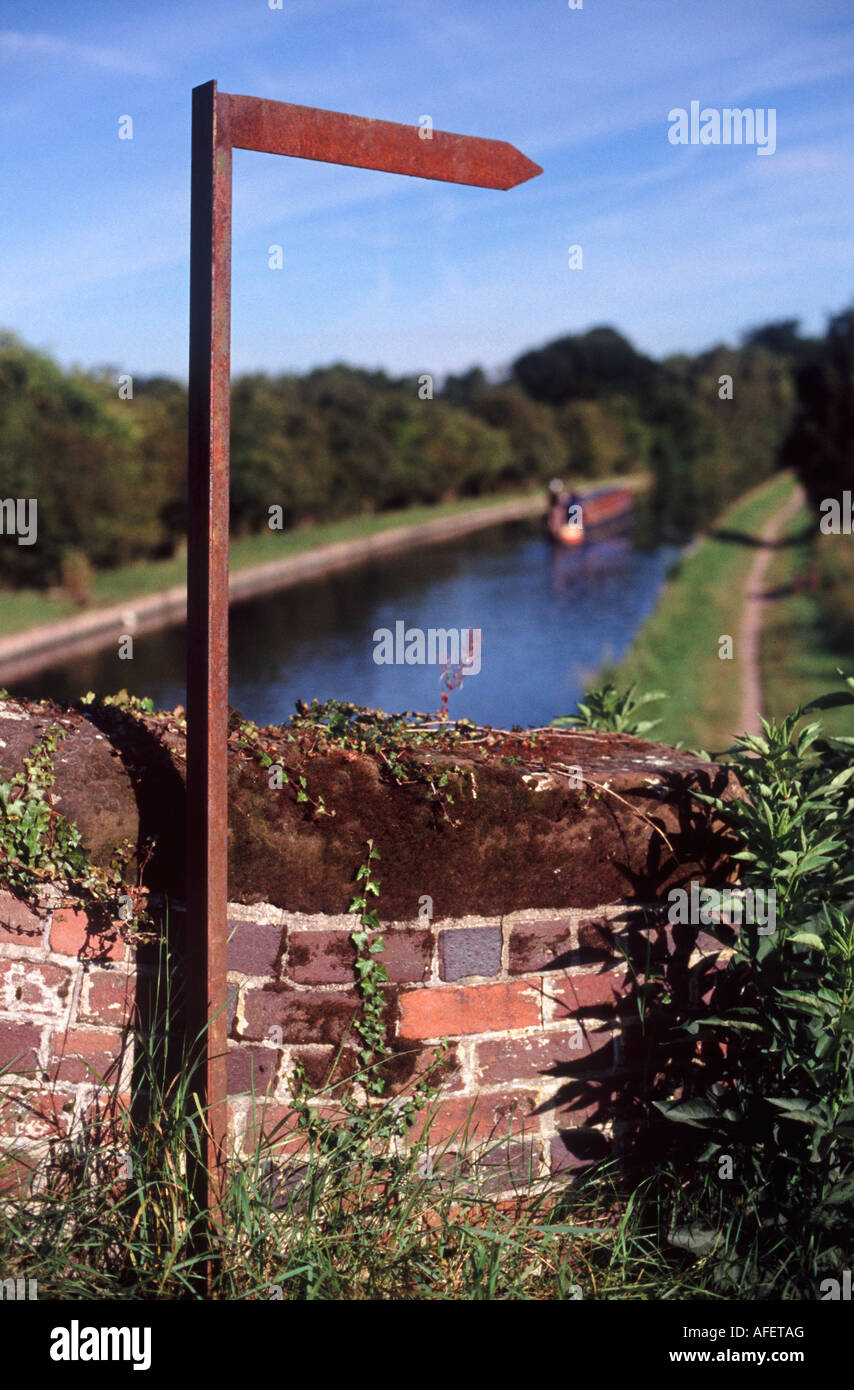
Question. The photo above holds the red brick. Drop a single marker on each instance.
(438, 1013)
(69, 931)
(577, 1149)
(72, 934)
(480, 1118)
(33, 987)
(37, 1115)
(108, 997)
(534, 1058)
(321, 958)
(113, 1107)
(538, 946)
(507, 1167)
(273, 1122)
(89, 1055)
(326, 1065)
(596, 940)
(327, 957)
(253, 947)
(408, 1067)
(408, 954)
(276, 1127)
(304, 1016)
(19, 1044)
(251, 1069)
(108, 1115)
(483, 1169)
(18, 924)
(17, 1174)
(405, 1067)
(608, 991)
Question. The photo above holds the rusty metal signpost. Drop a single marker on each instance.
(223, 122)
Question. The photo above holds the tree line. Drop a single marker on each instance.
(109, 472)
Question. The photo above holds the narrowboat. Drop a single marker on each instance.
(575, 517)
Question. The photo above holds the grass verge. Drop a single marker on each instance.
(799, 653)
(339, 1217)
(24, 608)
(677, 648)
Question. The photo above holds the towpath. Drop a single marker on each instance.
(755, 599)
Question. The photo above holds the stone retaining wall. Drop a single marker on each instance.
(531, 975)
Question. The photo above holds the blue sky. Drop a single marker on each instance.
(683, 246)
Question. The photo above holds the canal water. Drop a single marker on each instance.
(550, 618)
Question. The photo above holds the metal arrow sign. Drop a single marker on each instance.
(277, 127)
(221, 123)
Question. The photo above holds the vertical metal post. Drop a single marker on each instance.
(223, 121)
(207, 621)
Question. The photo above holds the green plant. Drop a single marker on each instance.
(37, 843)
(776, 1092)
(364, 1125)
(133, 705)
(371, 973)
(613, 710)
(405, 745)
(250, 739)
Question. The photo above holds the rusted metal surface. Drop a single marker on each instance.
(277, 127)
(221, 122)
(207, 612)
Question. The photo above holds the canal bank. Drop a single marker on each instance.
(26, 653)
(31, 650)
(549, 618)
(713, 593)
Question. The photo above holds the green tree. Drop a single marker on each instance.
(820, 445)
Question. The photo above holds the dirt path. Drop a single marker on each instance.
(755, 598)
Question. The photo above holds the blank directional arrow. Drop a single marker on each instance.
(305, 132)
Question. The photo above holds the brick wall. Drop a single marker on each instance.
(67, 995)
(537, 1010)
(540, 876)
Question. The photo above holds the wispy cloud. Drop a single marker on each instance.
(14, 44)
(681, 246)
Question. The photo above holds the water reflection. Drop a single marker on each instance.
(550, 618)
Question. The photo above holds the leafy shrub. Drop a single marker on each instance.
(36, 842)
(779, 1100)
(612, 710)
(77, 577)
